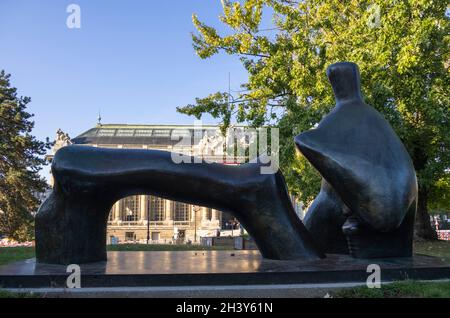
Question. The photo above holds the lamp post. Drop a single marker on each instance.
(148, 224)
(173, 223)
(195, 209)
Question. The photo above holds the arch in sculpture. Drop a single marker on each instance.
(71, 223)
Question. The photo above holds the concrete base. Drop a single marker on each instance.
(221, 268)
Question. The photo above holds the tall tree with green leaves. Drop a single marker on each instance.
(401, 47)
(20, 162)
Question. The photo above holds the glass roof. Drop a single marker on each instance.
(161, 133)
(143, 132)
(150, 132)
(106, 132)
(125, 132)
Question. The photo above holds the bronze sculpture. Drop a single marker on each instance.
(368, 170)
(366, 205)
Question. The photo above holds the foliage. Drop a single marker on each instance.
(13, 254)
(20, 162)
(7, 294)
(439, 249)
(440, 194)
(404, 59)
(398, 290)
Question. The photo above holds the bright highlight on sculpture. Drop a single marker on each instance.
(366, 205)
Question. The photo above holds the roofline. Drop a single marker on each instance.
(116, 126)
(149, 126)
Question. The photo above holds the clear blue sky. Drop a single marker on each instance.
(132, 59)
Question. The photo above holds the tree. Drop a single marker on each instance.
(440, 195)
(20, 162)
(401, 47)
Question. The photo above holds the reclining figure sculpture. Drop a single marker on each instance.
(369, 189)
(366, 205)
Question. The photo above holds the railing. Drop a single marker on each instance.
(144, 223)
(130, 223)
(156, 223)
(182, 223)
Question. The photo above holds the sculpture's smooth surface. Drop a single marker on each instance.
(364, 162)
(71, 223)
(325, 219)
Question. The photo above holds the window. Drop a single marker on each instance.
(155, 236)
(180, 211)
(125, 133)
(130, 208)
(181, 235)
(208, 213)
(156, 208)
(111, 214)
(226, 220)
(161, 133)
(178, 134)
(106, 132)
(143, 132)
(130, 236)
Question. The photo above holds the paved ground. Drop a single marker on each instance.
(243, 291)
(218, 262)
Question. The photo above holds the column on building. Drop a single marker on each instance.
(204, 211)
(214, 215)
(143, 209)
(194, 209)
(116, 211)
(168, 217)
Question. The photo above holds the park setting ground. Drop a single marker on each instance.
(399, 289)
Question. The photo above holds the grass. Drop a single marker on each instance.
(439, 249)
(5, 294)
(404, 289)
(12, 254)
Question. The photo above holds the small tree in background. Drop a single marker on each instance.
(401, 47)
(21, 159)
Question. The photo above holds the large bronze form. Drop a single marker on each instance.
(369, 188)
(366, 205)
(71, 223)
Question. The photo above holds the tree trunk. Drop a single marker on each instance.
(423, 228)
